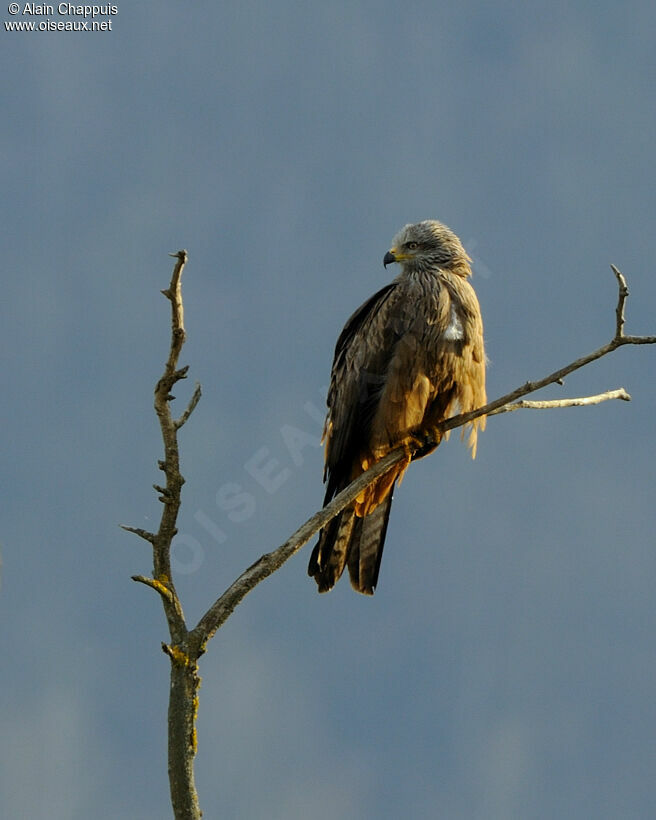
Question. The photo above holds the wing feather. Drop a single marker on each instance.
(362, 353)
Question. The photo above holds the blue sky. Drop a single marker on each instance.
(504, 667)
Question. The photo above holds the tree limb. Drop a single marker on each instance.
(147, 536)
(184, 679)
(158, 586)
(223, 607)
(193, 401)
(584, 401)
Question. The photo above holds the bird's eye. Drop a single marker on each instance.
(412, 246)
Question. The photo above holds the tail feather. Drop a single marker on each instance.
(367, 548)
(358, 542)
(330, 555)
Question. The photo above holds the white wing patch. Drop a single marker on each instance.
(454, 331)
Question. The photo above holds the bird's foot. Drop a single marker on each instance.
(421, 443)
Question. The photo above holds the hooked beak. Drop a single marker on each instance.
(389, 258)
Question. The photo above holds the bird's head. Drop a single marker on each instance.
(428, 244)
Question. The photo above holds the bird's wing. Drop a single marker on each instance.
(362, 355)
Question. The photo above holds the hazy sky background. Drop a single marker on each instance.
(506, 666)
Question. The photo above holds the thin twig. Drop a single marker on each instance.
(147, 536)
(584, 401)
(153, 583)
(619, 310)
(193, 401)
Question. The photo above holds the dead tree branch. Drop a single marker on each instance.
(184, 682)
(222, 608)
(186, 646)
(584, 401)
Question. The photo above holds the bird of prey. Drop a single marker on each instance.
(408, 358)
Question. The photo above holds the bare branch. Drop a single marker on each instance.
(164, 493)
(147, 536)
(638, 340)
(170, 495)
(222, 608)
(270, 562)
(618, 340)
(190, 407)
(184, 683)
(584, 401)
(158, 586)
(619, 310)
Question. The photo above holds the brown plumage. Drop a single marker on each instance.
(411, 356)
